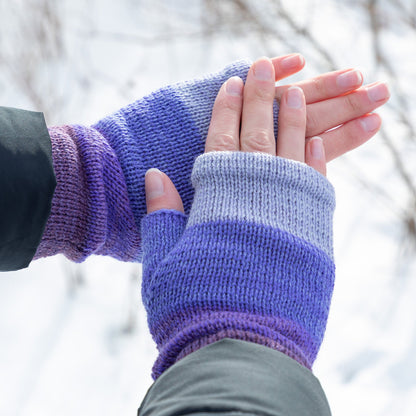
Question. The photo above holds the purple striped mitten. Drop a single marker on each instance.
(99, 200)
(254, 260)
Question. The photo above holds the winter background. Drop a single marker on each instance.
(73, 338)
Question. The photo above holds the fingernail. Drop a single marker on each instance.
(234, 86)
(317, 148)
(292, 61)
(370, 123)
(294, 97)
(263, 70)
(349, 79)
(378, 92)
(154, 184)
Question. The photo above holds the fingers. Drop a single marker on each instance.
(331, 104)
(161, 192)
(287, 65)
(333, 112)
(223, 132)
(257, 120)
(292, 124)
(325, 86)
(350, 135)
(315, 154)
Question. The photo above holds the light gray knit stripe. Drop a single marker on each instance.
(264, 189)
(201, 104)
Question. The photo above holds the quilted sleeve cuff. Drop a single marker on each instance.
(27, 183)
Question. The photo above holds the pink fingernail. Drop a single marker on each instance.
(370, 123)
(154, 184)
(317, 148)
(294, 97)
(234, 86)
(292, 61)
(349, 79)
(378, 92)
(263, 70)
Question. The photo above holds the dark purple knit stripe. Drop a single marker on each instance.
(242, 267)
(90, 211)
(207, 327)
(235, 278)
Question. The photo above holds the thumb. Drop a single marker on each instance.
(161, 192)
(164, 226)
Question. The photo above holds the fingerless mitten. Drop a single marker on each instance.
(99, 200)
(253, 261)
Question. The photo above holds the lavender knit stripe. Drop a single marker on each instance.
(208, 88)
(266, 190)
(165, 130)
(238, 266)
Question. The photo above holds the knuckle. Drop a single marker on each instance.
(351, 104)
(264, 95)
(229, 103)
(294, 123)
(259, 141)
(223, 141)
(311, 123)
(320, 86)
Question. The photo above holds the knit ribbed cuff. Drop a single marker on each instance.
(265, 190)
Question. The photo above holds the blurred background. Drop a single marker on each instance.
(73, 338)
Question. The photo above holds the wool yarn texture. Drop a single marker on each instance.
(253, 261)
(99, 200)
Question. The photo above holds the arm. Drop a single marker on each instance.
(238, 294)
(165, 130)
(99, 198)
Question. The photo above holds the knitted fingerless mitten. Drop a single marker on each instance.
(99, 200)
(253, 262)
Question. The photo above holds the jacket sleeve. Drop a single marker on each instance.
(27, 183)
(232, 377)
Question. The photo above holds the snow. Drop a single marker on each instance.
(73, 338)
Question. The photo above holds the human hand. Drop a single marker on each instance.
(326, 108)
(339, 111)
(322, 108)
(257, 128)
(252, 107)
(338, 107)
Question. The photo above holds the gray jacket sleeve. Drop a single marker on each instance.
(232, 377)
(27, 183)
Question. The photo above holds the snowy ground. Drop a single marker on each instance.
(73, 339)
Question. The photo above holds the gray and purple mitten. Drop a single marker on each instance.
(254, 260)
(99, 200)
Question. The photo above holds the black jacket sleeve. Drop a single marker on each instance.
(232, 377)
(27, 183)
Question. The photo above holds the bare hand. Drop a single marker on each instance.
(307, 108)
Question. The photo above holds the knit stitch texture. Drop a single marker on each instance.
(99, 200)
(253, 262)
